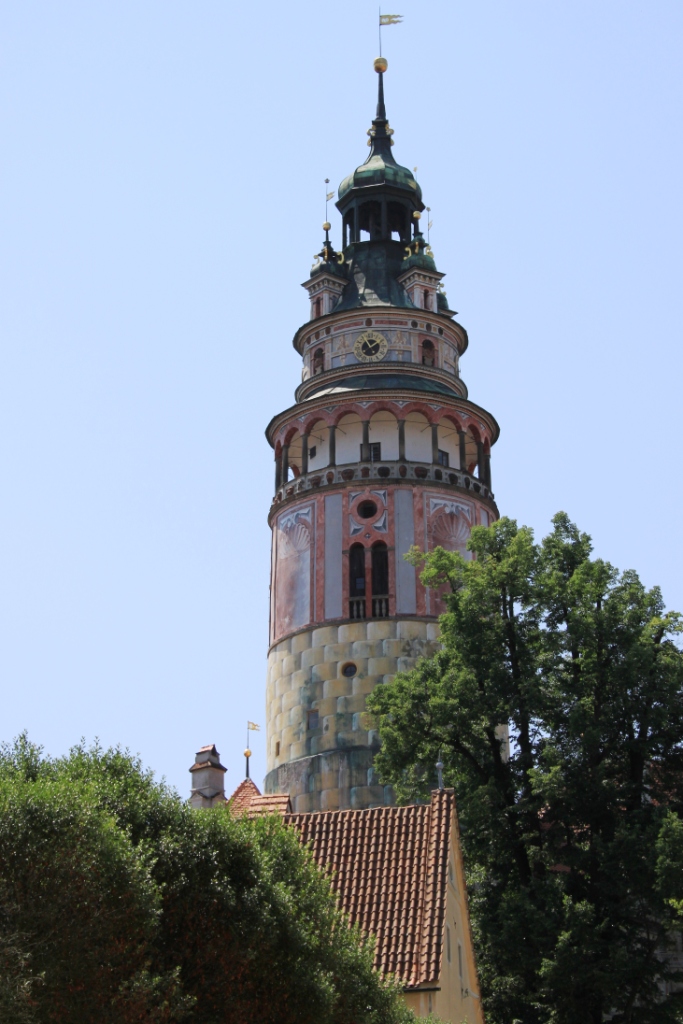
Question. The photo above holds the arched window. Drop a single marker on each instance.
(357, 581)
(370, 221)
(318, 361)
(317, 308)
(427, 353)
(380, 580)
(349, 225)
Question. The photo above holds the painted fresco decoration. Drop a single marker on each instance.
(450, 525)
(354, 527)
(381, 525)
(293, 578)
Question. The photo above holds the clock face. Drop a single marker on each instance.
(370, 347)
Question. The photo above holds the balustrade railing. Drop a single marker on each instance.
(379, 606)
(384, 472)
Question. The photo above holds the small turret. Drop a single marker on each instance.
(208, 778)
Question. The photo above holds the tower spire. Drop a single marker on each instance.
(380, 68)
(380, 133)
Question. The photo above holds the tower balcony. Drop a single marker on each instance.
(385, 472)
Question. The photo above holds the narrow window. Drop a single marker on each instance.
(427, 299)
(313, 719)
(448, 941)
(376, 451)
(459, 960)
(312, 451)
(357, 570)
(357, 582)
(318, 361)
(277, 748)
(380, 580)
(428, 353)
(317, 310)
(442, 457)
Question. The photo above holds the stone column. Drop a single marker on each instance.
(304, 454)
(278, 474)
(463, 450)
(365, 446)
(333, 446)
(481, 470)
(487, 468)
(401, 440)
(285, 464)
(435, 443)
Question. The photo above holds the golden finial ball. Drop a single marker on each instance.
(326, 226)
(416, 214)
(380, 65)
(247, 752)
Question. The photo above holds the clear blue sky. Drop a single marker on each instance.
(162, 193)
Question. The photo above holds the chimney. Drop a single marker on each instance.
(208, 788)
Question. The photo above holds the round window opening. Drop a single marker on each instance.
(349, 669)
(367, 509)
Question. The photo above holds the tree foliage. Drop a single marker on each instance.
(119, 903)
(573, 843)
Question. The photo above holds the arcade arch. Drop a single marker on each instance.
(383, 432)
(418, 435)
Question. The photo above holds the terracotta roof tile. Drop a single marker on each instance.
(390, 869)
(243, 796)
(247, 799)
(275, 803)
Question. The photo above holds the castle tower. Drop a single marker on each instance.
(382, 451)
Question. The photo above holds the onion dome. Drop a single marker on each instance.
(380, 168)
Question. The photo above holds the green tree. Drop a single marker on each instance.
(573, 843)
(121, 903)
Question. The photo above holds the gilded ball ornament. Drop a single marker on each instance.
(416, 214)
(326, 226)
(380, 65)
(247, 752)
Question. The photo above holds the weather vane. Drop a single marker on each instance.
(328, 196)
(387, 19)
(251, 727)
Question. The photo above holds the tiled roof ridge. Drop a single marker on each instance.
(244, 795)
(350, 811)
(248, 799)
(436, 883)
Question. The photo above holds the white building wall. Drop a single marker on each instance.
(384, 428)
(349, 438)
(418, 438)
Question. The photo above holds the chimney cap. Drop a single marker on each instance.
(208, 757)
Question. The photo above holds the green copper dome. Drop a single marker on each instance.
(380, 168)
